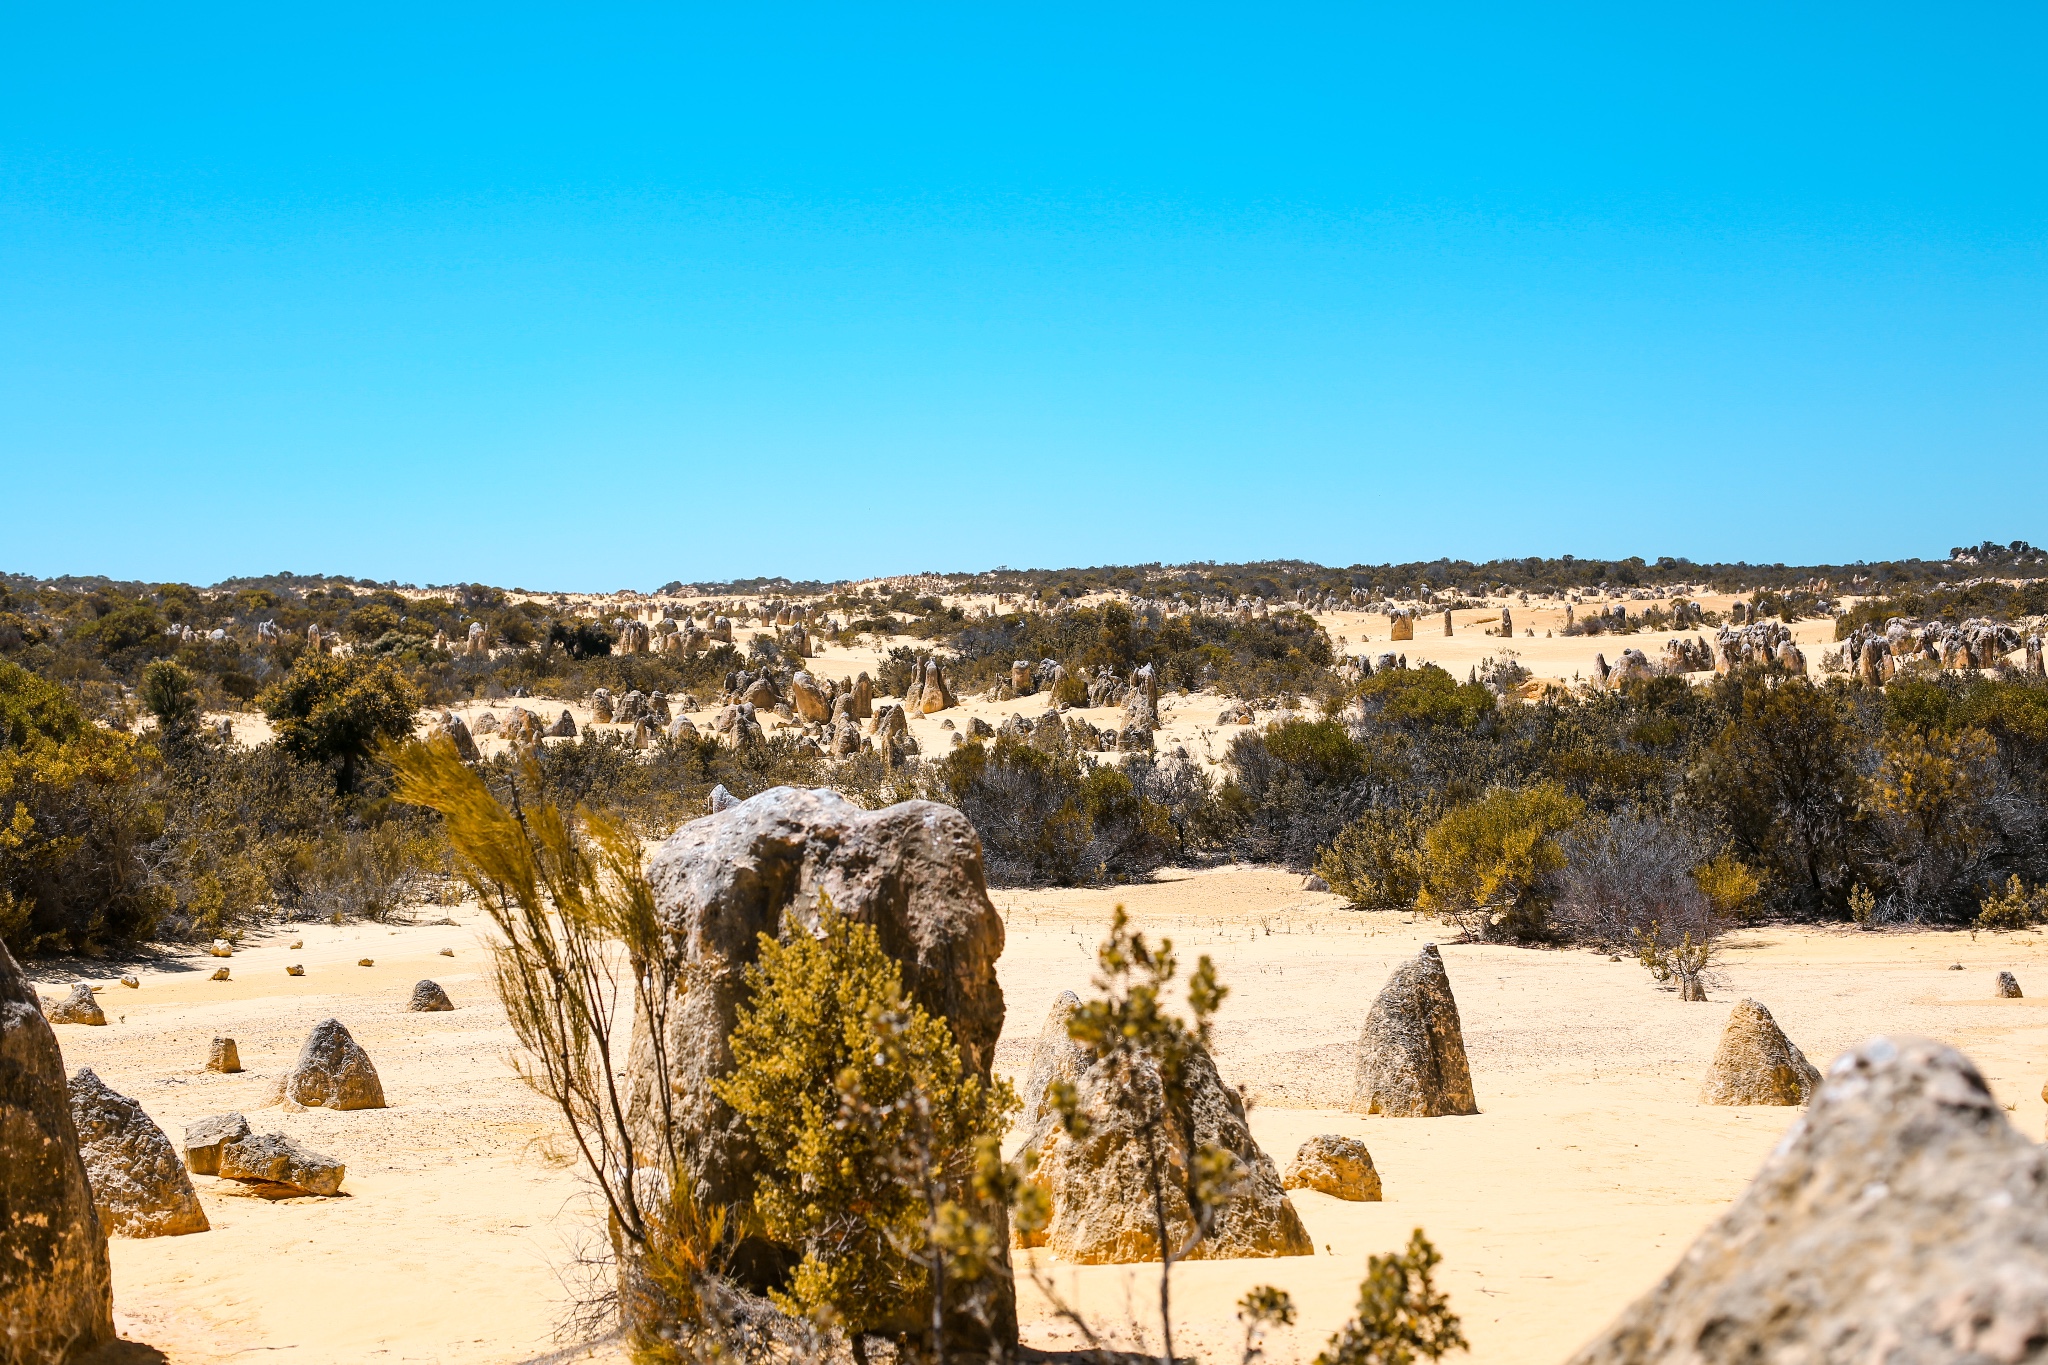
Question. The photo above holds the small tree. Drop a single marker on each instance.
(1145, 1054)
(1401, 1315)
(869, 1131)
(170, 694)
(340, 711)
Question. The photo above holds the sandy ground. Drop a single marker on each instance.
(1589, 1169)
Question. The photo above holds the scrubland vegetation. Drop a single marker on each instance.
(1750, 797)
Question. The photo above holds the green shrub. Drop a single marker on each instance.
(1375, 862)
(2016, 907)
(1488, 866)
(866, 1123)
(73, 823)
(340, 711)
(170, 694)
(1401, 1314)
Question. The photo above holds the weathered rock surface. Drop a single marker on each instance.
(429, 998)
(204, 1139)
(139, 1186)
(457, 733)
(809, 698)
(333, 1072)
(1100, 1192)
(1756, 1063)
(2008, 988)
(79, 1007)
(1411, 1052)
(275, 1159)
(563, 728)
(913, 871)
(56, 1290)
(224, 1056)
(1902, 1219)
(1336, 1165)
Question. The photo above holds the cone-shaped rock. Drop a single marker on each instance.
(1902, 1219)
(56, 1291)
(429, 998)
(1335, 1165)
(80, 1008)
(2008, 987)
(224, 1056)
(333, 1072)
(1411, 1053)
(1756, 1063)
(139, 1185)
(1100, 1194)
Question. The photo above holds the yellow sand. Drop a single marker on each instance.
(1587, 1172)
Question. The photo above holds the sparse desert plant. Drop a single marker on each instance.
(1488, 866)
(1261, 1310)
(1375, 862)
(170, 694)
(1402, 1316)
(2016, 907)
(869, 1129)
(576, 931)
(1624, 872)
(1146, 1053)
(1684, 959)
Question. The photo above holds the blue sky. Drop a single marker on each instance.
(589, 298)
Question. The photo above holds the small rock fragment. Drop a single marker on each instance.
(275, 1159)
(219, 974)
(296, 944)
(204, 1139)
(447, 952)
(220, 947)
(224, 1056)
(429, 998)
(2008, 986)
(131, 983)
(295, 970)
(1336, 1165)
(366, 962)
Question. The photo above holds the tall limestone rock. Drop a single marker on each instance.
(913, 871)
(56, 1290)
(1902, 1219)
(1411, 1052)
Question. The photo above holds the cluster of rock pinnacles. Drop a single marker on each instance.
(1902, 1219)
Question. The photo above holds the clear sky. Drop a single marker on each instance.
(588, 297)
